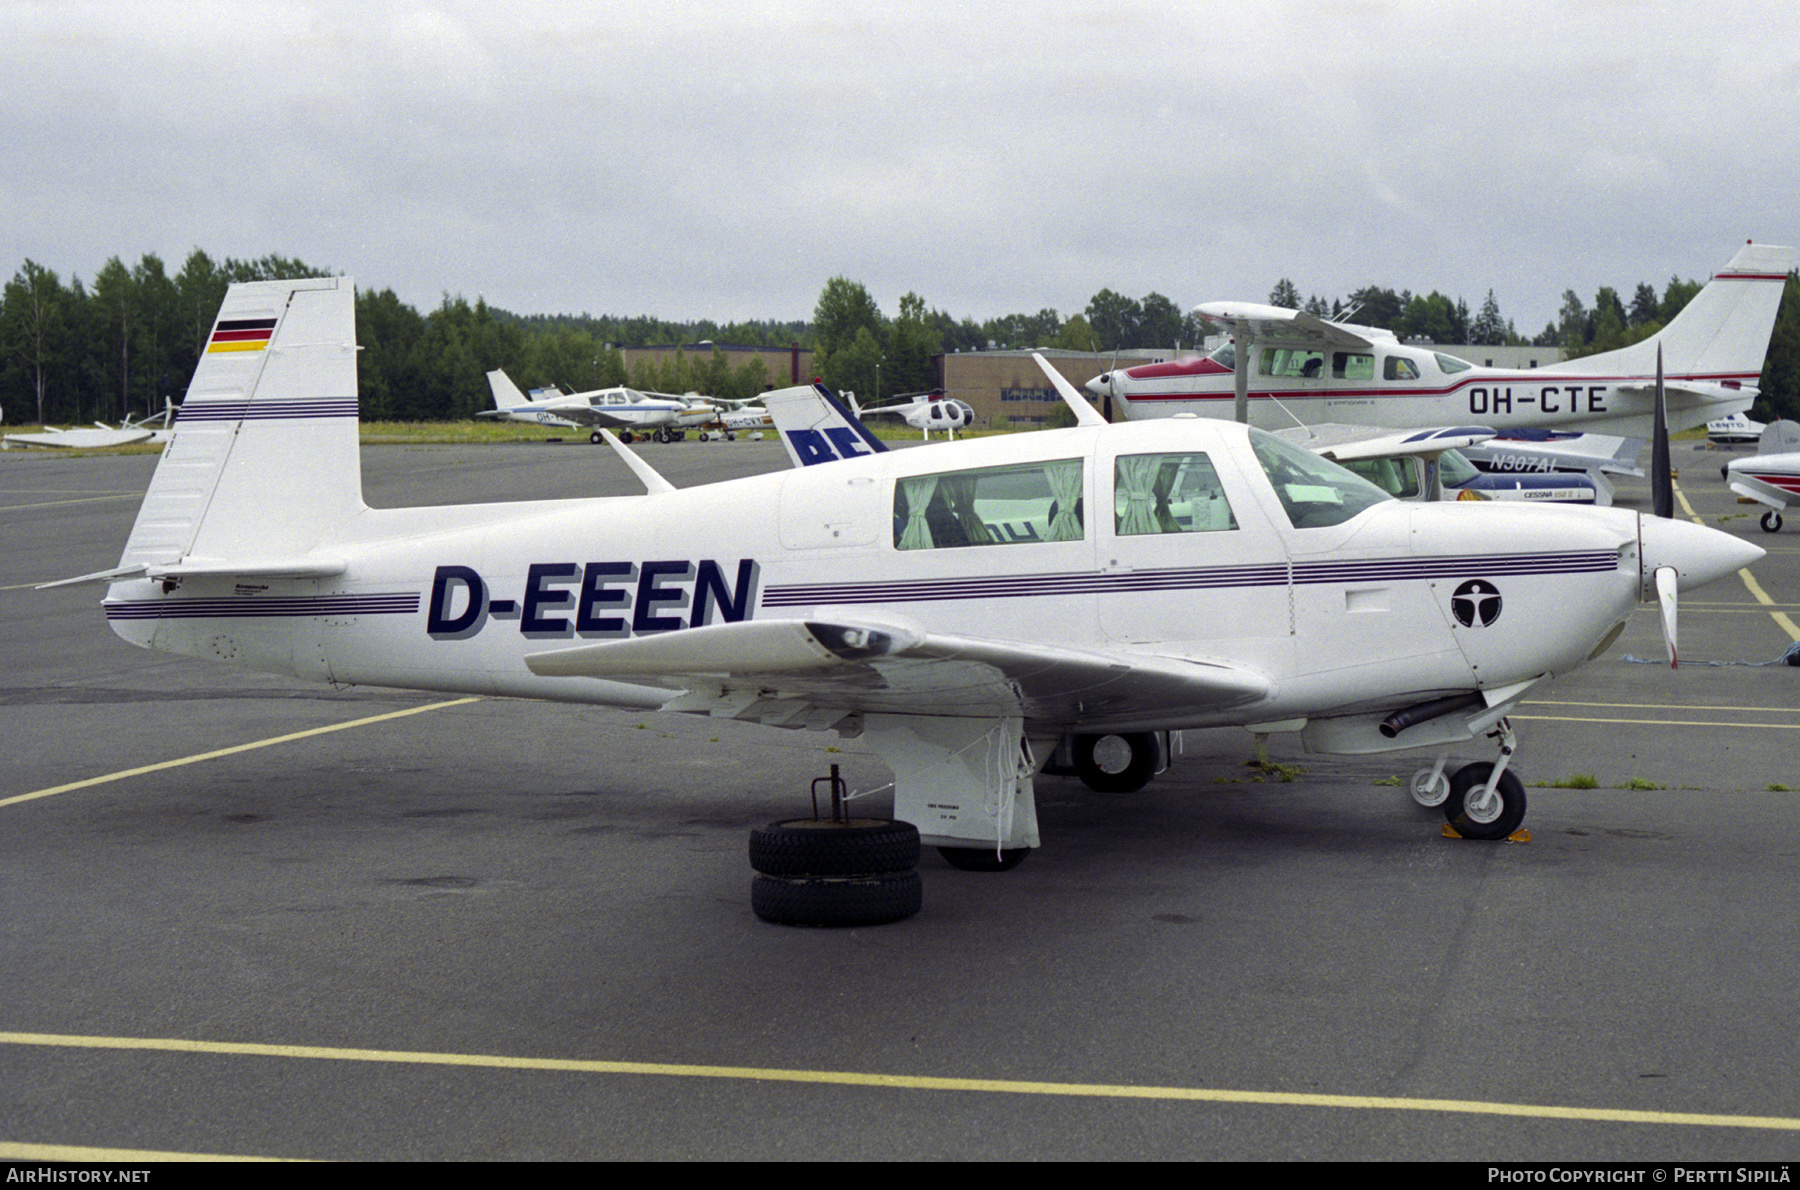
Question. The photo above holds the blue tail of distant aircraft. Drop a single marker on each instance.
(816, 427)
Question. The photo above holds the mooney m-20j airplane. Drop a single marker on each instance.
(1308, 369)
(959, 607)
(623, 409)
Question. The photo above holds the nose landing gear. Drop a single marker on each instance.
(1479, 801)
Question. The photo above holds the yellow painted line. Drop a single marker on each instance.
(1787, 625)
(1655, 706)
(911, 1082)
(87, 1154)
(60, 503)
(233, 750)
(1762, 597)
(1654, 722)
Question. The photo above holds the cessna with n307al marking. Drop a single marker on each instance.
(1307, 369)
(1185, 573)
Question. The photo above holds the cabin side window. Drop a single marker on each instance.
(990, 506)
(1292, 362)
(1352, 365)
(1314, 492)
(1397, 477)
(1398, 367)
(1168, 493)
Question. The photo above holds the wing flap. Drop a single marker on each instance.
(891, 667)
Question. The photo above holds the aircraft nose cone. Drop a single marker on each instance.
(1098, 384)
(1698, 554)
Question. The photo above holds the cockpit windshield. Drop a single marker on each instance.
(1225, 357)
(1314, 492)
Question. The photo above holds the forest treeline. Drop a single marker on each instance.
(74, 352)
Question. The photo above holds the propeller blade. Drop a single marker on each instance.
(1662, 482)
(1665, 598)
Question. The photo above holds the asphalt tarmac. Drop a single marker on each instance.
(254, 917)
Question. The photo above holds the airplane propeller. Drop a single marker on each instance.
(1662, 503)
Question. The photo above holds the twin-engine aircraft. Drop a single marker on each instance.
(623, 409)
(959, 608)
(1307, 369)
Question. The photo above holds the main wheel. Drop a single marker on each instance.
(596, 438)
(869, 900)
(820, 847)
(1771, 521)
(1115, 763)
(1497, 819)
(625, 437)
(984, 859)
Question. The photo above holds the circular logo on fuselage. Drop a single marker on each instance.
(1476, 604)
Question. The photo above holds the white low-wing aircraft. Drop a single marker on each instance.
(1771, 476)
(1308, 369)
(958, 607)
(624, 409)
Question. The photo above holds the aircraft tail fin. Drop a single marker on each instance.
(816, 428)
(263, 464)
(506, 393)
(1722, 335)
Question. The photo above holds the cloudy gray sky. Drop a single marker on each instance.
(723, 160)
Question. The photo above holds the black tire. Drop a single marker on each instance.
(1104, 773)
(1512, 803)
(983, 859)
(625, 437)
(809, 847)
(836, 901)
(596, 438)
(1771, 521)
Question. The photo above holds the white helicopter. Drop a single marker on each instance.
(959, 608)
(625, 409)
(1286, 366)
(929, 411)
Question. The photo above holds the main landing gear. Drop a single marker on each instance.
(1479, 801)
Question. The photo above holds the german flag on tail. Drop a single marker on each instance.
(241, 334)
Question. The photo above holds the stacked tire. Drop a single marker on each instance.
(816, 872)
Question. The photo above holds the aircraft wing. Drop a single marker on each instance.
(1273, 326)
(1342, 444)
(819, 669)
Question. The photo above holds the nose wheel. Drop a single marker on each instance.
(1771, 521)
(1479, 801)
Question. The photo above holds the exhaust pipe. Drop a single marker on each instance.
(1424, 712)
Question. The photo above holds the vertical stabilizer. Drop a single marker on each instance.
(263, 465)
(1721, 335)
(816, 428)
(506, 393)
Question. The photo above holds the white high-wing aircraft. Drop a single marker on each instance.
(930, 411)
(1308, 369)
(624, 409)
(958, 607)
(1771, 476)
